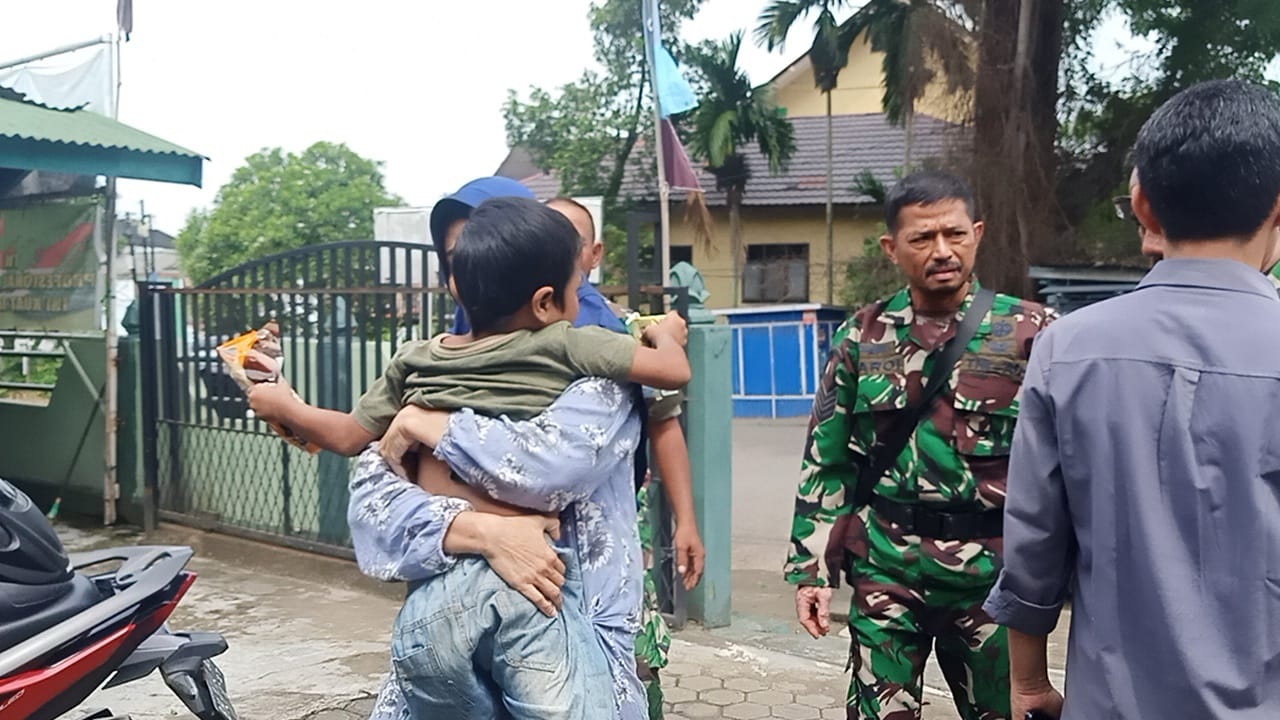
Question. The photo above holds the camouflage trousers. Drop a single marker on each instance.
(895, 627)
(654, 639)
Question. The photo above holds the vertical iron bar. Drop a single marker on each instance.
(393, 251)
(169, 353)
(366, 313)
(186, 406)
(347, 324)
(304, 382)
(150, 404)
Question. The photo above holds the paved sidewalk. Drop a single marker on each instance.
(309, 639)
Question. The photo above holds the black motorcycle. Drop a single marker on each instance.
(70, 623)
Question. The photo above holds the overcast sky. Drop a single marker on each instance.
(416, 84)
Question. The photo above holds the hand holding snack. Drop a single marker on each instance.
(254, 360)
(269, 399)
(671, 326)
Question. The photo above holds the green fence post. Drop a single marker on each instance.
(710, 436)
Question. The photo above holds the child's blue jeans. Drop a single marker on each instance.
(466, 645)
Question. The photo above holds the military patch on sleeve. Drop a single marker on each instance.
(992, 364)
(824, 403)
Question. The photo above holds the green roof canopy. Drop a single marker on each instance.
(36, 137)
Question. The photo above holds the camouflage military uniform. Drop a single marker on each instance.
(910, 590)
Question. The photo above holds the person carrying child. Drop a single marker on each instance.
(465, 632)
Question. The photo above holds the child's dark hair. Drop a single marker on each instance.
(509, 248)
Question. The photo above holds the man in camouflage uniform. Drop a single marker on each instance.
(922, 555)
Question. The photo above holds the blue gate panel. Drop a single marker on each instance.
(757, 362)
(788, 370)
(779, 353)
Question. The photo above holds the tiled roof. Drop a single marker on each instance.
(860, 142)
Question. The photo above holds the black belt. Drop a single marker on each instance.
(938, 525)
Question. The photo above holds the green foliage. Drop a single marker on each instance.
(1194, 40)
(40, 370)
(915, 36)
(871, 276)
(732, 112)
(830, 50)
(586, 130)
(280, 201)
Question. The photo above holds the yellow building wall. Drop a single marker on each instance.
(859, 89)
(778, 225)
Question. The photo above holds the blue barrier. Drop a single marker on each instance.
(779, 352)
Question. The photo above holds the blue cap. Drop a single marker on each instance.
(468, 197)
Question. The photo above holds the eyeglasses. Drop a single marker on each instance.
(1124, 207)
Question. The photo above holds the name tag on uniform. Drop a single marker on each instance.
(879, 359)
(992, 364)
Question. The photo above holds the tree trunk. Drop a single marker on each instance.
(831, 242)
(733, 196)
(1014, 138)
(909, 125)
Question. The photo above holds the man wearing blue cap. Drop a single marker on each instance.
(450, 215)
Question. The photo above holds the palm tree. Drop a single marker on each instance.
(828, 55)
(733, 113)
(919, 39)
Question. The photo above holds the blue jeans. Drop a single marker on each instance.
(466, 645)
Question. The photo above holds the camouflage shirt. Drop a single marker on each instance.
(958, 455)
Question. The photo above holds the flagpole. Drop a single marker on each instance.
(56, 51)
(110, 483)
(653, 35)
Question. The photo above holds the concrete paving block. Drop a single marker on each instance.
(837, 713)
(698, 683)
(675, 695)
(790, 687)
(680, 669)
(746, 711)
(793, 711)
(769, 697)
(698, 710)
(721, 697)
(745, 685)
(818, 701)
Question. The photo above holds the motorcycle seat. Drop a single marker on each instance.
(28, 610)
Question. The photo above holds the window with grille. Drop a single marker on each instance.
(776, 273)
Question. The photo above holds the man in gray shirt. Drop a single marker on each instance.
(1147, 453)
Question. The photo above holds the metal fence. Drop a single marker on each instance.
(343, 310)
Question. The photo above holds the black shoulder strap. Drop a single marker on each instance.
(888, 447)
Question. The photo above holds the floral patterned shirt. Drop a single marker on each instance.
(576, 458)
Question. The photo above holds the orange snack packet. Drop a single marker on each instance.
(256, 357)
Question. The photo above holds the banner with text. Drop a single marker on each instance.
(49, 267)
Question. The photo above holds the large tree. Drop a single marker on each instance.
(731, 113)
(1193, 40)
(587, 130)
(280, 201)
(828, 54)
(923, 41)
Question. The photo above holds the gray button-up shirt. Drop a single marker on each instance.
(1147, 460)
